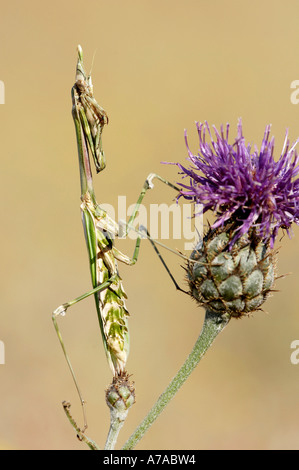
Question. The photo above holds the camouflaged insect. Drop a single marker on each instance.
(91, 114)
(99, 228)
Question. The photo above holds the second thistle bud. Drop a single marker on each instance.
(120, 395)
(231, 277)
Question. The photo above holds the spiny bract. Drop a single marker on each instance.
(235, 280)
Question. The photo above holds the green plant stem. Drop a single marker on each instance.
(117, 421)
(213, 325)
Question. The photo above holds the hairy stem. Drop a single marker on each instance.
(213, 325)
(117, 421)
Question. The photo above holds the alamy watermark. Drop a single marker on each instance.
(2, 92)
(295, 354)
(2, 352)
(163, 221)
(295, 94)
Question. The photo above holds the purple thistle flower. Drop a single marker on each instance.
(244, 184)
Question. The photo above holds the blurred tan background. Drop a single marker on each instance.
(158, 67)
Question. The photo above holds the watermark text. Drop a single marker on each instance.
(162, 221)
(295, 354)
(295, 94)
(2, 92)
(2, 352)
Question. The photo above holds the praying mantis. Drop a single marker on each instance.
(100, 230)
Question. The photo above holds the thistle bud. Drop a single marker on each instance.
(234, 279)
(120, 395)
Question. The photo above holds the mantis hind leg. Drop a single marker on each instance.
(131, 261)
(61, 311)
(153, 243)
(148, 184)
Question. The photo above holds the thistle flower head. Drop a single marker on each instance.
(243, 183)
(232, 270)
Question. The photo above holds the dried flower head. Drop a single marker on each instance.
(243, 183)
